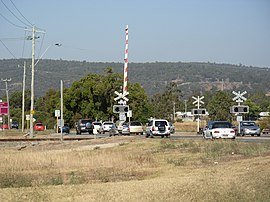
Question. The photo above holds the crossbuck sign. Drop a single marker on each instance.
(198, 101)
(239, 97)
(122, 99)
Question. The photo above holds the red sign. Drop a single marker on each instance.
(3, 108)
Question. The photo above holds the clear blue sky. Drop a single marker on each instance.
(221, 31)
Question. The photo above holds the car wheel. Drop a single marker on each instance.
(258, 134)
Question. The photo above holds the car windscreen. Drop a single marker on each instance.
(107, 123)
(222, 125)
(97, 124)
(86, 121)
(160, 123)
(249, 124)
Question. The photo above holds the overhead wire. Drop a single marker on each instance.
(12, 22)
(21, 13)
(7, 49)
(15, 15)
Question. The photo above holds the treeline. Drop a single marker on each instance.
(93, 95)
(153, 77)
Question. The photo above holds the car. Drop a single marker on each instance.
(219, 129)
(158, 127)
(84, 126)
(106, 126)
(39, 127)
(4, 126)
(119, 125)
(98, 126)
(14, 124)
(125, 128)
(113, 130)
(65, 129)
(249, 128)
(172, 128)
(135, 127)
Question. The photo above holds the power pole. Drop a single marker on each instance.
(62, 118)
(23, 95)
(32, 83)
(34, 30)
(6, 81)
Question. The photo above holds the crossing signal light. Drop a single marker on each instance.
(240, 109)
(120, 108)
(199, 111)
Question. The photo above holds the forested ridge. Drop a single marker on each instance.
(153, 77)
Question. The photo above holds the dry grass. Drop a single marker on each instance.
(136, 169)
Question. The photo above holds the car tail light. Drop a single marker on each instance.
(232, 131)
(169, 128)
(153, 128)
(216, 131)
(128, 128)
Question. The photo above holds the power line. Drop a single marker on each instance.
(8, 49)
(21, 13)
(11, 22)
(15, 15)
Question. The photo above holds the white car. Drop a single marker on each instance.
(135, 127)
(98, 126)
(219, 129)
(158, 127)
(106, 126)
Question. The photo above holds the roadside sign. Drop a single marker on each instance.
(27, 117)
(122, 116)
(3, 108)
(57, 113)
(239, 118)
(129, 114)
(60, 122)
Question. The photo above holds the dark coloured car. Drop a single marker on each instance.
(14, 124)
(65, 129)
(84, 126)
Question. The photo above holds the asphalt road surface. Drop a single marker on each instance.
(184, 135)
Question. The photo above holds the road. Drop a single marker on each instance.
(175, 136)
(186, 135)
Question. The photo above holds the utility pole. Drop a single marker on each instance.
(6, 81)
(62, 119)
(23, 95)
(32, 83)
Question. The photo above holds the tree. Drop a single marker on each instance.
(219, 106)
(163, 103)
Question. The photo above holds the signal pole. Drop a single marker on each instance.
(6, 81)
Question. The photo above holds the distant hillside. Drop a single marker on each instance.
(191, 77)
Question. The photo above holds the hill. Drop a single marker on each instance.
(191, 77)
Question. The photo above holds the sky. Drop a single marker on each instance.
(220, 31)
